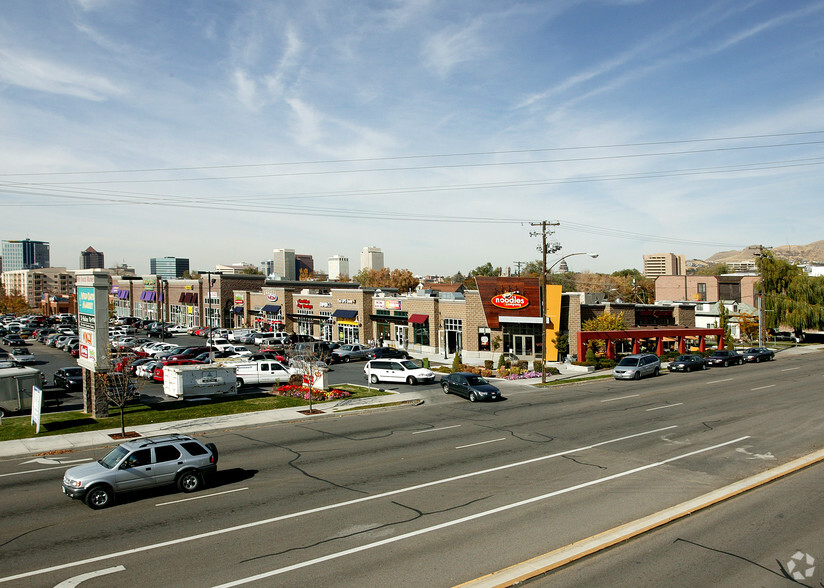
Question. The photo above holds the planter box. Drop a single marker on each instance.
(580, 369)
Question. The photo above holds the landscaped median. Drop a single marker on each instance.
(62, 423)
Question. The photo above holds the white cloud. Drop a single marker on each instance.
(451, 46)
(27, 71)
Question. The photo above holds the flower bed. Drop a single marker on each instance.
(304, 393)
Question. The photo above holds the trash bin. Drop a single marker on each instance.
(425, 362)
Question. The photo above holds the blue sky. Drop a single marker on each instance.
(435, 130)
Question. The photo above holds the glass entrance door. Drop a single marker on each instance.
(524, 345)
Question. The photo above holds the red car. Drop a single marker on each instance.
(157, 376)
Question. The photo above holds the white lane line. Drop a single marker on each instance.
(620, 398)
(201, 496)
(665, 406)
(71, 582)
(433, 430)
(33, 471)
(481, 443)
(762, 387)
(719, 381)
(335, 505)
(473, 517)
(790, 369)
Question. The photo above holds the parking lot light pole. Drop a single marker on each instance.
(209, 314)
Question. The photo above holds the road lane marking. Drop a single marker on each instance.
(433, 430)
(620, 398)
(719, 381)
(71, 582)
(469, 518)
(199, 497)
(762, 387)
(665, 406)
(481, 443)
(319, 509)
(790, 369)
(33, 471)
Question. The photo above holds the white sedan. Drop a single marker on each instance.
(22, 355)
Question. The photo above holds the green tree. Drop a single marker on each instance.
(403, 280)
(605, 322)
(715, 269)
(724, 323)
(791, 297)
(486, 270)
(251, 271)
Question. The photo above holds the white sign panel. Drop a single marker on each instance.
(36, 407)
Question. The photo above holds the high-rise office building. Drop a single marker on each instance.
(169, 267)
(283, 265)
(664, 264)
(25, 254)
(371, 258)
(304, 262)
(338, 266)
(90, 258)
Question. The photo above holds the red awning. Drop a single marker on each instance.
(418, 319)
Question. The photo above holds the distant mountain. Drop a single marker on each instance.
(812, 253)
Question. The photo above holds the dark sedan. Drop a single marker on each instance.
(687, 363)
(14, 340)
(758, 354)
(387, 353)
(69, 378)
(471, 386)
(725, 357)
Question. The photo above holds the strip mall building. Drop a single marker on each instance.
(503, 314)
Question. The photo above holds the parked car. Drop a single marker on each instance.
(636, 366)
(688, 363)
(157, 375)
(146, 370)
(189, 352)
(350, 352)
(161, 332)
(396, 370)
(68, 378)
(239, 351)
(387, 353)
(725, 357)
(22, 355)
(132, 366)
(142, 463)
(204, 357)
(14, 340)
(297, 363)
(178, 329)
(468, 385)
(756, 354)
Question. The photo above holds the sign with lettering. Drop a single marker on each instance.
(272, 297)
(510, 301)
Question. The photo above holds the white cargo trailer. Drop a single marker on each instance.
(15, 388)
(199, 380)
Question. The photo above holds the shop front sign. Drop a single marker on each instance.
(510, 301)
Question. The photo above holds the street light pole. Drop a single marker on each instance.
(209, 314)
(543, 248)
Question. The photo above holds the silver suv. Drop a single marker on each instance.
(142, 463)
(635, 367)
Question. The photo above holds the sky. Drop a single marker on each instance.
(438, 131)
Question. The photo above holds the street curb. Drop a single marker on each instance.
(560, 557)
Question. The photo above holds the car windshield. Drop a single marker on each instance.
(476, 380)
(74, 371)
(113, 457)
(753, 350)
(629, 362)
(410, 365)
(684, 358)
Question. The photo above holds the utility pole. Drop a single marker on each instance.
(518, 265)
(544, 248)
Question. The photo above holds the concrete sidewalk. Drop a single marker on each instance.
(72, 441)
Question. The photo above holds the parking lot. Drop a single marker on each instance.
(49, 360)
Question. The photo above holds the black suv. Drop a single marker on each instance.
(142, 463)
(387, 353)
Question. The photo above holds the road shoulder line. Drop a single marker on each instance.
(564, 555)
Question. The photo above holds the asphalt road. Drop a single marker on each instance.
(433, 495)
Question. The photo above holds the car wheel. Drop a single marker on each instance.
(99, 497)
(411, 380)
(374, 379)
(189, 481)
(656, 372)
(345, 359)
(637, 376)
(473, 397)
(445, 387)
(239, 383)
(740, 362)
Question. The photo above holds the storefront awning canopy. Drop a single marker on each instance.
(418, 319)
(273, 308)
(237, 310)
(345, 314)
(123, 294)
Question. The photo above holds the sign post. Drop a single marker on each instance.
(93, 330)
(36, 407)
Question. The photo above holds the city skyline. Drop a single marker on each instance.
(440, 130)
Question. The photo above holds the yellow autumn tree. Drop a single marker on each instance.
(606, 322)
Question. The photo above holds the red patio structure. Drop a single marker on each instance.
(635, 335)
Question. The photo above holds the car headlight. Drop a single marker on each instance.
(72, 483)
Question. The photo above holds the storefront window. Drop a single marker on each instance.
(420, 333)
